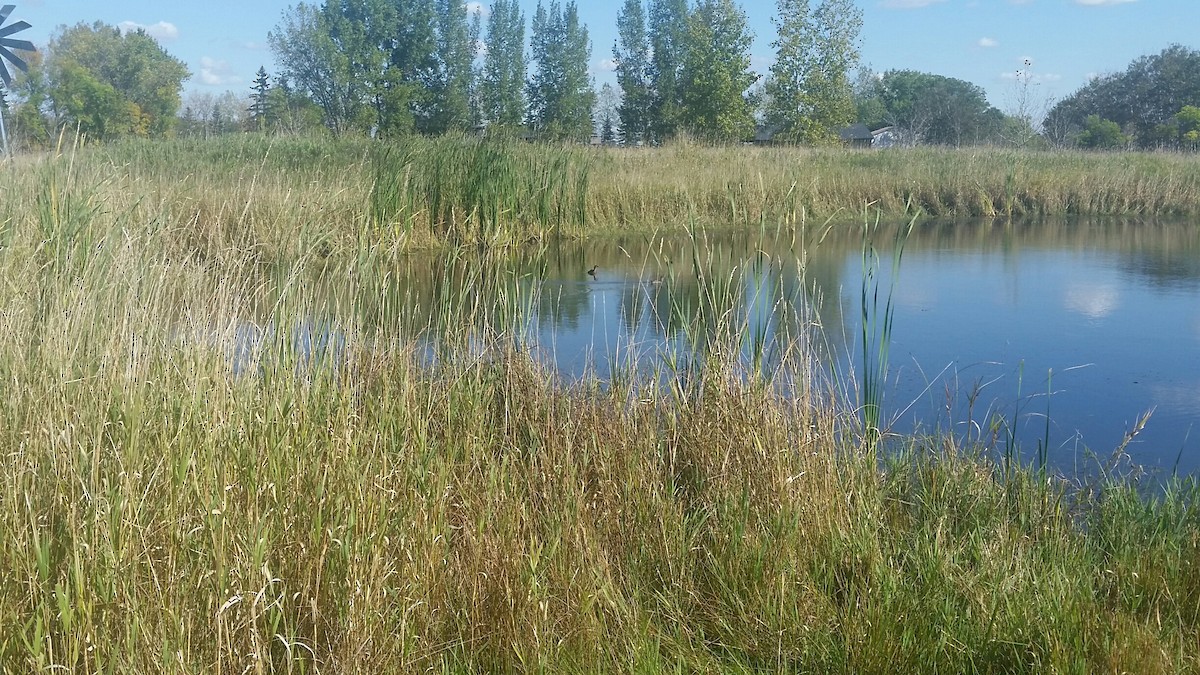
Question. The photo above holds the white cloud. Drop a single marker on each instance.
(987, 42)
(1101, 3)
(607, 65)
(477, 8)
(216, 73)
(163, 30)
(908, 4)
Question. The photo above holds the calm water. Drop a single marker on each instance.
(1087, 325)
(1068, 330)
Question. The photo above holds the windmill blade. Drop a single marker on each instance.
(14, 28)
(5, 11)
(5, 77)
(13, 58)
(23, 45)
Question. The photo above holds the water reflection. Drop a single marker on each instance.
(1058, 333)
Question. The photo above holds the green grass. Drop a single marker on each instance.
(380, 511)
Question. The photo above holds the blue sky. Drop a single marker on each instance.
(223, 42)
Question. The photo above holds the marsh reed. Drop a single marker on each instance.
(373, 508)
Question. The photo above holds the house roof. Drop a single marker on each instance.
(855, 132)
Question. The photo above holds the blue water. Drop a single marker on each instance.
(1055, 336)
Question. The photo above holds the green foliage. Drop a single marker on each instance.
(451, 79)
(504, 65)
(1102, 134)
(386, 66)
(560, 91)
(669, 37)
(716, 74)
(372, 509)
(809, 93)
(632, 55)
(260, 100)
(110, 84)
(1151, 91)
(313, 64)
(933, 109)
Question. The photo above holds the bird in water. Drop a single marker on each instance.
(592, 272)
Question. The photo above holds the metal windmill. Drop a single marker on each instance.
(8, 44)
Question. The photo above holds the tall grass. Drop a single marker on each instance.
(368, 507)
(419, 193)
(876, 325)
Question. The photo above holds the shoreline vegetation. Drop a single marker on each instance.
(370, 503)
(426, 192)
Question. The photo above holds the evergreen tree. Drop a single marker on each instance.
(504, 65)
(608, 134)
(668, 34)
(632, 55)
(260, 99)
(716, 73)
(559, 92)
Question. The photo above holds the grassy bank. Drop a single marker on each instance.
(359, 505)
(253, 191)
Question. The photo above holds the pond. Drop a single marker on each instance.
(1070, 331)
(1055, 336)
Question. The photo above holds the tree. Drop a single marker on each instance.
(559, 92)
(831, 95)
(112, 84)
(311, 61)
(608, 133)
(260, 99)
(927, 108)
(787, 110)
(410, 44)
(668, 36)
(1102, 134)
(451, 81)
(1187, 124)
(608, 105)
(30, 125)
(292, 111)
(1147, 95)
(504, 65)
(809, 92)
(716, 73)
(632, 56)
(367, 63)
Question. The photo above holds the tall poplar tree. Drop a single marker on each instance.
(560, 91)
(668, 33)
(810, 94)
(504, 65)
(632, 55)
(716, 73)
(450, 82)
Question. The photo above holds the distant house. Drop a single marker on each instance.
(860, 136)
(856, 136)
(765, 135)
(885, 137)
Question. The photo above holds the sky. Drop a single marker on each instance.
(986, 42)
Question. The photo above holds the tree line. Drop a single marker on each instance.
(683, 67)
